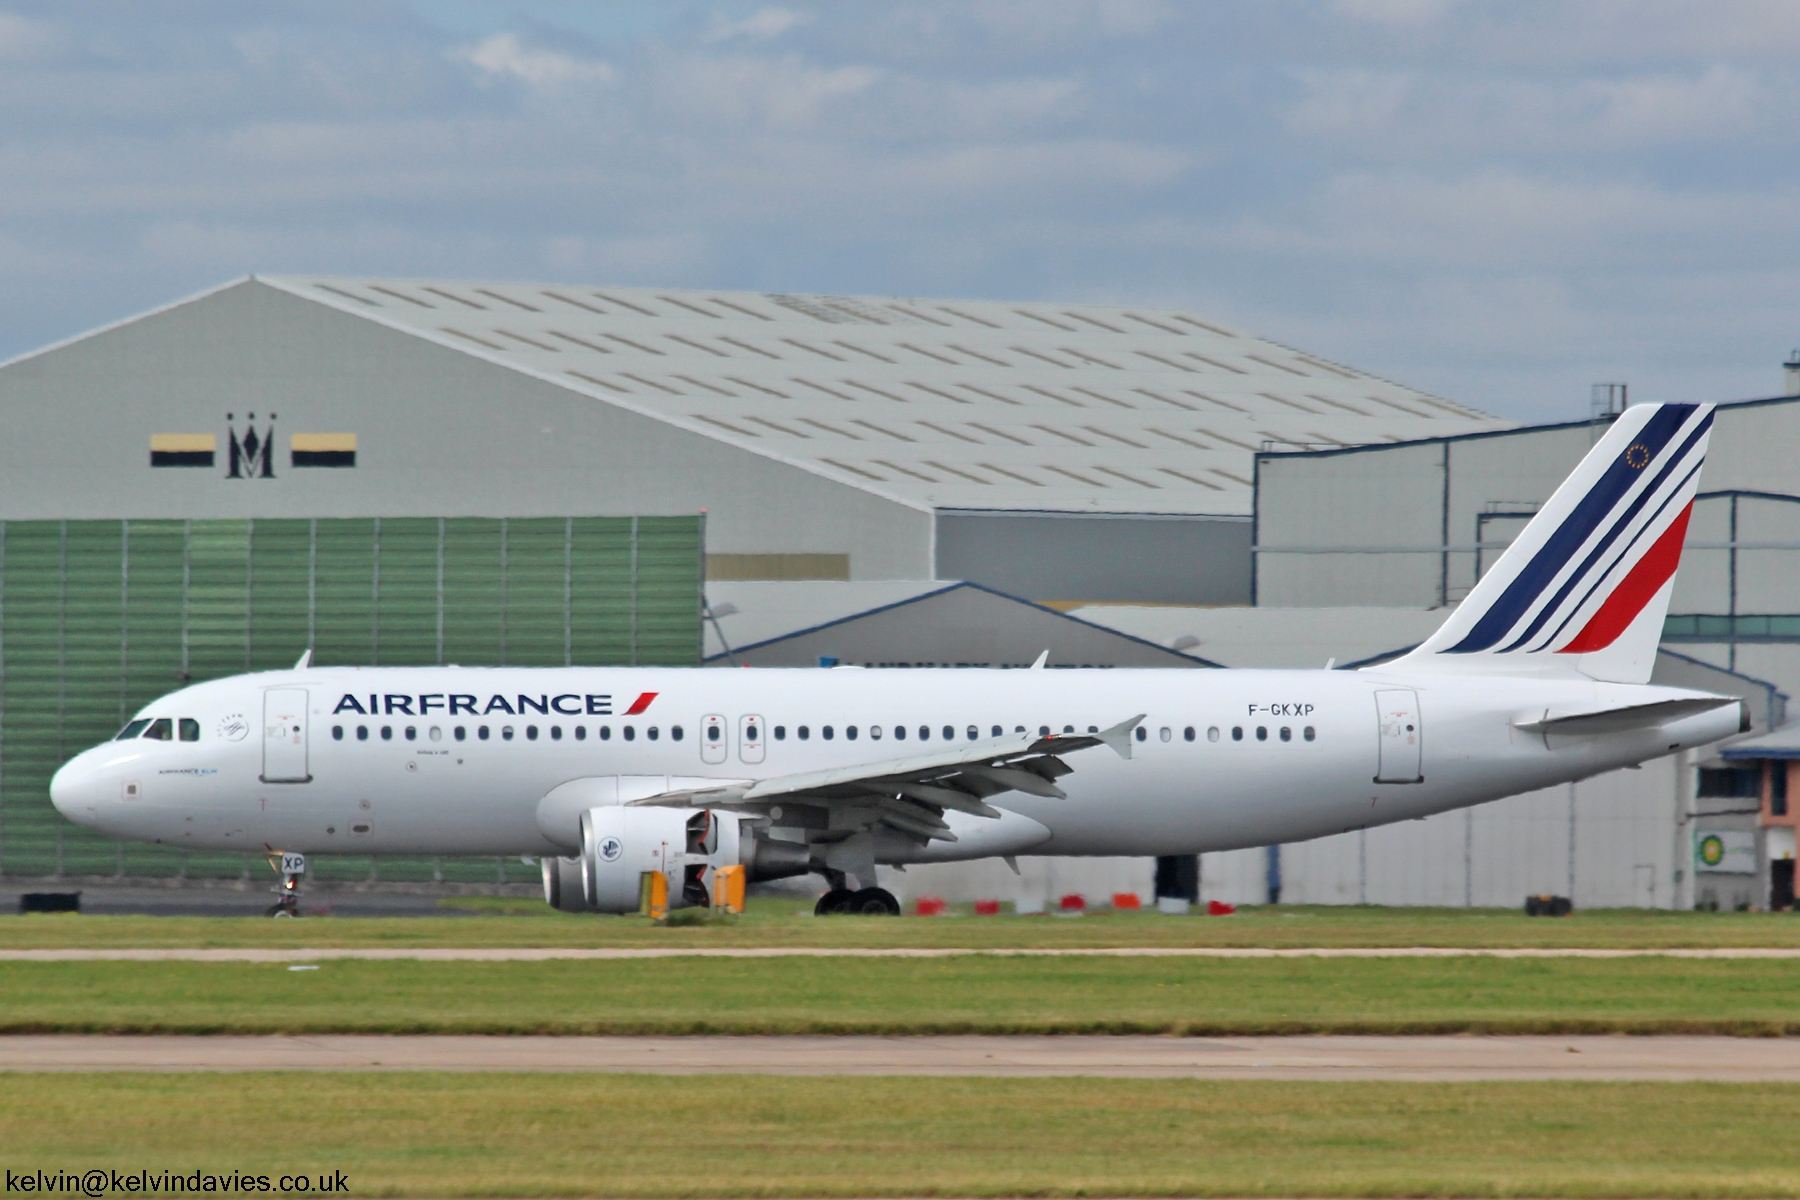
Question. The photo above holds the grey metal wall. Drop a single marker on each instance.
(1095, 557)
(439, 434)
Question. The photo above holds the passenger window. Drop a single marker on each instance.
(674, 733)
(161, 730)
(362, 733)
(1262, 733)
(630, 733)
(556, 733)
(581, 733)
(606, 733)
(1287, 735)
(1212, 733)
(506, 732)
(924, 733)
(412, 733)
(1142, 734)
(387, 733)
(1068, 729)
(949, 733)
(713, 734)
(1018, 729)
(462, 733)
(1307, 733)
(1237, 733)
(435, 734)
(1043, 731)
(190, 729)
(531, 733)
(337, 733)
(1164, 733)
(1188, 733)
(482, 732)
(974, 733)
(900, 733)
(653, 733)
(805, 732)
(996, 732)
(827, 733)
(875, 732)
(850, 732)
(133, 730)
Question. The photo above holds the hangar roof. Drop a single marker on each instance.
(936, 404)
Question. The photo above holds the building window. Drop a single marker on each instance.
(1778, 771)
(1731, 783)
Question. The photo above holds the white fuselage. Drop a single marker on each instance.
(1225, 759)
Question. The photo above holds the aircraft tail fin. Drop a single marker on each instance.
(1584, 589)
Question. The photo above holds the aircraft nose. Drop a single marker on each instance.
(74, 791)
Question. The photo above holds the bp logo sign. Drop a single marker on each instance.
(1727, 852)
(611, 848)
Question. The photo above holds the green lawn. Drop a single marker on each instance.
(949, 995)
(786, 923)
(435, 1134)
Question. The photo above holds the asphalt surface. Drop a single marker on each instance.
(1298, 1058)
(251, 901)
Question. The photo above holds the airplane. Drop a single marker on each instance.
(612, 775)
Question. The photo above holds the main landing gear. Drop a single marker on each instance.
(864, 902)
(290, 867)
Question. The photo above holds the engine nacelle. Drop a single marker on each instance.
(562, 884)
(619, 845)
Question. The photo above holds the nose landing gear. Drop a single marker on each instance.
(290, 867)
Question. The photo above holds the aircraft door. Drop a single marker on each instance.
(712, 738)
(750, 739)
(284, 736)
(1402, 736)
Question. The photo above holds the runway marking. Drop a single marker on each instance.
(574, 953)
(1298, 1058)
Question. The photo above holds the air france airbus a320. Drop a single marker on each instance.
(1541, 676)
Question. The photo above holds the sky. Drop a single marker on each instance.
(1500, 203)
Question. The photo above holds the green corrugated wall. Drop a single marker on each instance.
(98, 618)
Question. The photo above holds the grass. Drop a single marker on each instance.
(894, 996)
(451, 1135)
(775, 922)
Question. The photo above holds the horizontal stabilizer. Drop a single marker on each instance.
(1600, 722)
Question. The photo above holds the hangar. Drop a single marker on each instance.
(396, 471)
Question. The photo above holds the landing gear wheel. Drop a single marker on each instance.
(284, 908)
(874, 902)
(835, 902)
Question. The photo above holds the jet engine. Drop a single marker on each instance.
(619, 845)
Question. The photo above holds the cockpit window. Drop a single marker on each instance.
(162, 729)
(190, 729)
(133, 729)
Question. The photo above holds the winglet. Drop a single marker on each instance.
(1119, 736)
(1041, 660)
(305, 662)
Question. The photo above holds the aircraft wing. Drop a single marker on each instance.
(911, 793)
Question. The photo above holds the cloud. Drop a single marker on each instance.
(504, 55)
(761, 25)
(22, 38)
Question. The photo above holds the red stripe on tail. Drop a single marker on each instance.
(1634, 591)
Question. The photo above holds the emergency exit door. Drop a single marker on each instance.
(284, 736)
(1401, 736)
